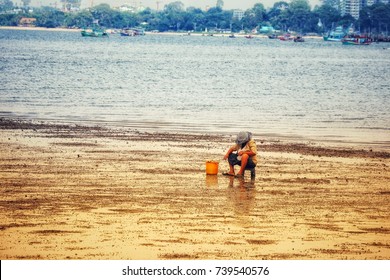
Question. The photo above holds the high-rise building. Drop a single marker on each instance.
(351, 7)
(238, 14)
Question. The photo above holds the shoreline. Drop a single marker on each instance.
(274, 143)
(262, 36)
(38, 28)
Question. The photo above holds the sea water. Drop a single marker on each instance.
(199, 84)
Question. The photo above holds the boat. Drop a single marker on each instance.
(356, 39)
(286, 37)
(266, 29)
(132, 32)
(127, 32)
(232, 35)
(249, 36)
(139, 31)
(299, 39)
(93, 32)
(273, 36)
(335, 35)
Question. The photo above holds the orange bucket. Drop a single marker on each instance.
(212, 167)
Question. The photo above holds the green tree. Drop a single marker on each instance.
(277, 15)
(195, 19)
(365, 20)
(217, 18)
(68, 4)
(381, 17)
(299, 13)
(103, 13)
(9, 19)
(174, 16)
(328, 16)
(6, 5)
(220, 4)
(26, 3)
(49, 17)
(331, 3)
(255, 16)
(347, 20)
(174, 7)
(81, 19)
(277, 8)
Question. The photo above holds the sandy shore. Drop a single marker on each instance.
(39, 28)
(147, 33)
(74, 192)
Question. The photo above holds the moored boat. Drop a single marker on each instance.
(299, 39)
(335, 35)
(356, 40)
(132, 32)
(127, 32)
(93, 32)
(286, 37)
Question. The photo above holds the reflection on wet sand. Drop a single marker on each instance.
(241, 196)
(212, 181)
(240, 193)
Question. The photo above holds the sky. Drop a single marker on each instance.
(203, 4)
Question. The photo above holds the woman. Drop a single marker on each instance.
(243, 153)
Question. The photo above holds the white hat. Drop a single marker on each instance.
(243, 137)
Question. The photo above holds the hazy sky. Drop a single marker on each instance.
(228, 4)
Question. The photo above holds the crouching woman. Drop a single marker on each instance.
(243, 153)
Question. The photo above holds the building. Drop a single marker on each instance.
(27, 22)
(351, 7)
(238, 14)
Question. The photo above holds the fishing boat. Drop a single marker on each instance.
(139, 31)
(273, 36)
(335, 35)
(356, 39)
(299, 39)
(132, 32)
(249, 36)
(127, 32)
(286, 37)
(93, 33)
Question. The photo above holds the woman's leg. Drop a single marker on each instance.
(232, 159)
(244, 161)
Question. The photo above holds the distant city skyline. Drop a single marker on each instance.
(203, 4)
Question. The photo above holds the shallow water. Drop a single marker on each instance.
(314, 90)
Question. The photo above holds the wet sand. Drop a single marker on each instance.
(78, 192)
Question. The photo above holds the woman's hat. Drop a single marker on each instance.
(242, 137)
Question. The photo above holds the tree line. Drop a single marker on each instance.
(296, 15)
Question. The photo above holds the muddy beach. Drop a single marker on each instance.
(87, 192)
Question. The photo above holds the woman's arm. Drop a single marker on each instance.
(252, 149)
(229, 152)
